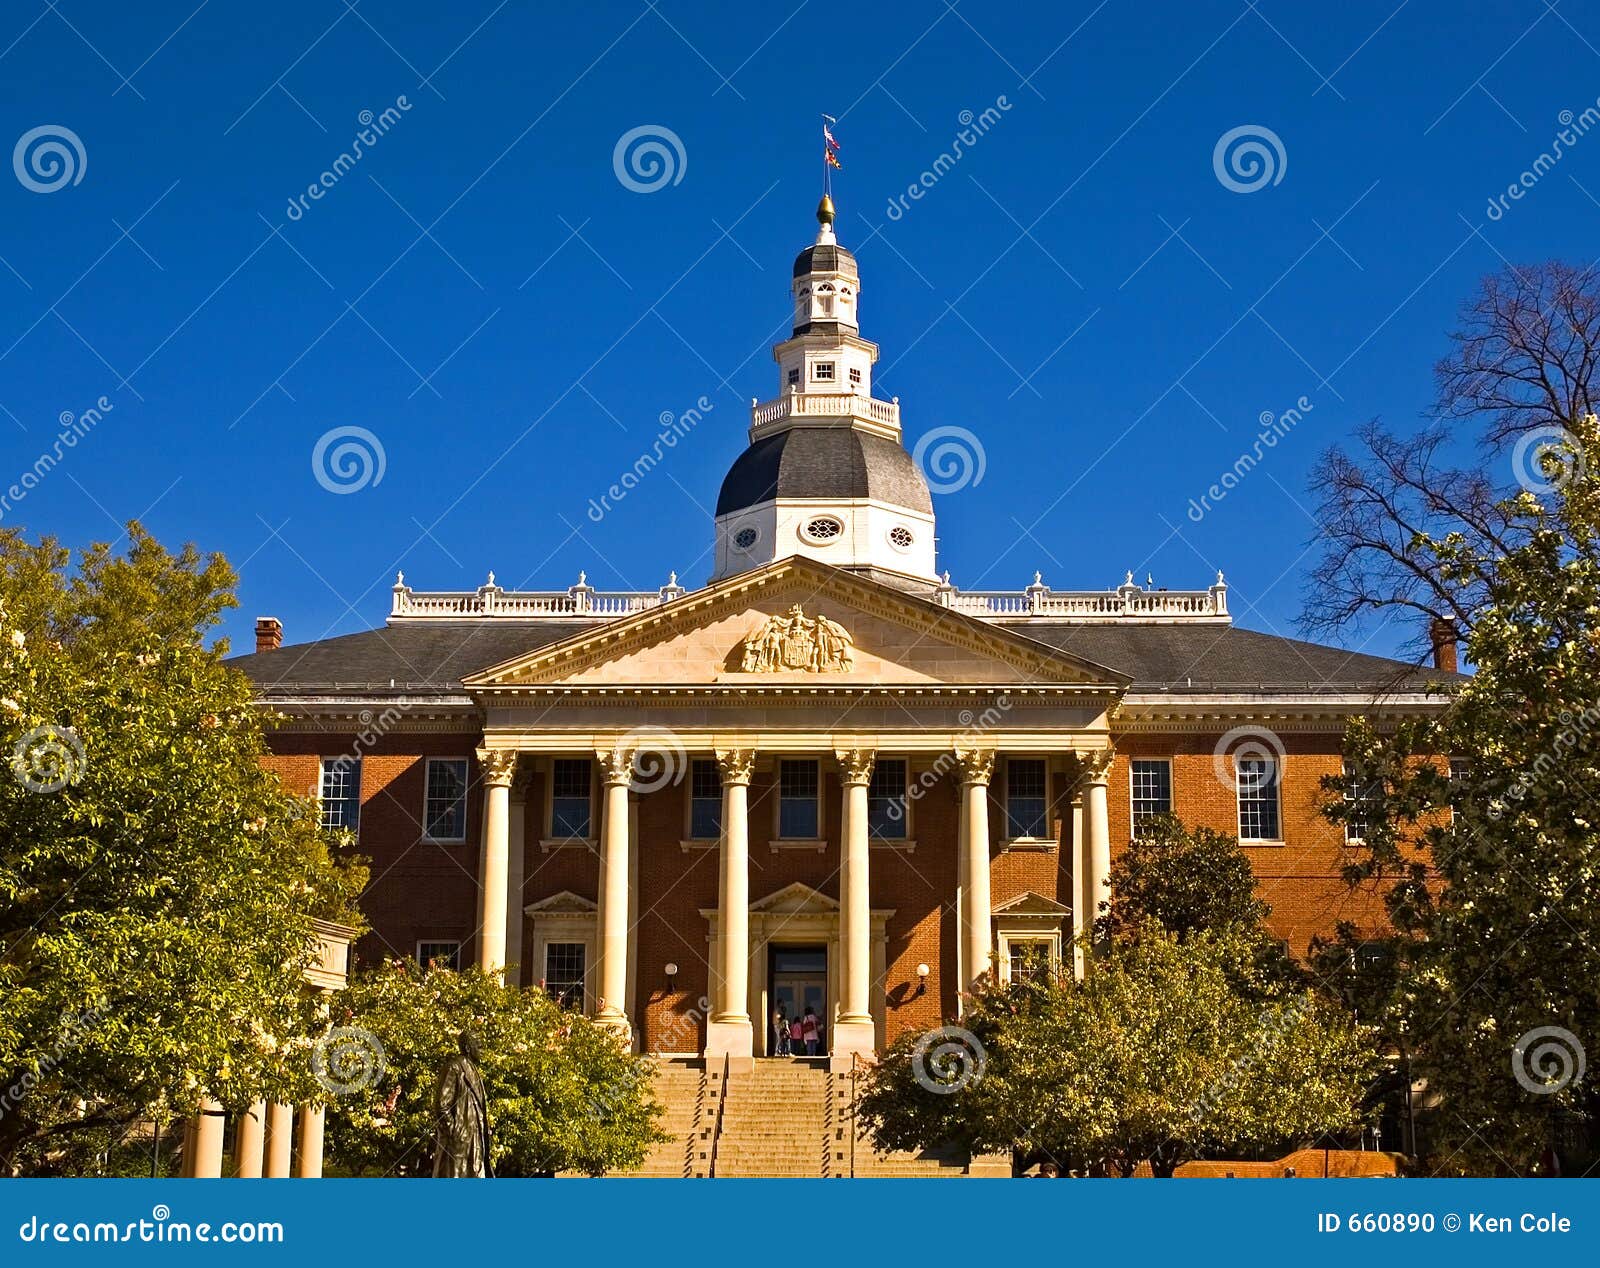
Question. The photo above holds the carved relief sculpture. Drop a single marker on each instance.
(793, 640)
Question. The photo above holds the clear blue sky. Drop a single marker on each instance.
(514, 361)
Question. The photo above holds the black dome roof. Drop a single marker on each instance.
(824, 462)
(826, 257)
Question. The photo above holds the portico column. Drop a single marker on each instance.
(203, 1160)
(1096, 834)
(311, 1123)
(248, 1140)
(729, 1032)
(517, 834)
(853, 1031)
(616, 773)
(975, 767)
(280, 1140)
(498, 766)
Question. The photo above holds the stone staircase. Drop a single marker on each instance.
(784, 1118)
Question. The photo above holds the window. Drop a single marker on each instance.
(1258, 799)
(444, 814)
(341, 792)
(823, 370)
(1364, 794)
(794, 378)
(564, 964)
(746, 538)
(447, 955)
(855, 376)
(900, 537)
(1151, 780)
(571, 799)
(705, 801)
(824, 528)
(1025, 798)
(1459, 769)
(798, 819)
(886, 800)
(1029, 959)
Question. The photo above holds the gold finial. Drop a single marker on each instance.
(825, 211)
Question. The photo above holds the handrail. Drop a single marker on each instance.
(716, 1130)
(855, 1059)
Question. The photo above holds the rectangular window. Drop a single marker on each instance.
(1458, 778)
(794, 378)
(341, 792)
(571, 798)
(446, 955)
(1025, 799)
(1362, 795)
(1029, 959)
(886, 800)
(1258, 799)
(855, 376)
(563, 972)
(822, 370)
(798, 819)
(444, 815)
(1151, 779)
(705, 801)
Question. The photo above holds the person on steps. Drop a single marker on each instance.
(808, 1032)
(780, 1034)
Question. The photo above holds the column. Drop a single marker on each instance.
(616, 772)
(517, 838)
(203, 1156)
(729, 1032)
(280, 1140)
(1096, 833)
(975, 767)
(249, 1137)
(498, 767)
(310, 1167)
(853, 1031)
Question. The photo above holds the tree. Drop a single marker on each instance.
(563, 1094)
(157, 886)
(1156, 1054)
(1490, 873)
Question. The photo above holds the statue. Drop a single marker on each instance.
(792, 640)
(461, 1117)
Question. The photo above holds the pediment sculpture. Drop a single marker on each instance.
(792, 640)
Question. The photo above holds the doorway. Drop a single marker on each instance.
(797, 979)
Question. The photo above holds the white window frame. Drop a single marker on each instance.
(1350, 796)
(1009, 937)
(1005, 799)
(905, 836)
(323, 763)
(823, 372)
(1133, 814)
(550, 839)
(466, 793)
(588, 966)
(439, 942)
(777, 802)
(689, 799)
(1278, 765)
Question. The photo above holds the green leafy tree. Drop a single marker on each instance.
(563, 1095)
(1490, 875)
(1156, 1054)
(158, 888)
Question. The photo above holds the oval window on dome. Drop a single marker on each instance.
(823, 529)
(745, 538)
(900, 537)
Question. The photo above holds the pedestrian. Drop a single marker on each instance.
(808, 1031)
(780, 1033)
(796, 1037)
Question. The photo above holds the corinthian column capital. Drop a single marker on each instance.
(616, 766)
(855, 765)
(736, 764)
(1097, 764)
(975, 765)
(499, 766)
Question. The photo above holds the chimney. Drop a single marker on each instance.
(269, 634)
(1443, 635)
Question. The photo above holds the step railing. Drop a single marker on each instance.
(716, 1130)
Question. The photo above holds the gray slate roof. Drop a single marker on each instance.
(432, 656)
(824, 462)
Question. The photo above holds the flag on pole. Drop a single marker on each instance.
(827, 136)
(830, 143)
(831, 161)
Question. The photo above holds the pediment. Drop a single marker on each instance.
(796, 623)
(566, 903)
(798, 899)
(1029, 903)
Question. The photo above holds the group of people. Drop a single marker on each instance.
(791, 1035)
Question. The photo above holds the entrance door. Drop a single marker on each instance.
(799, 980)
